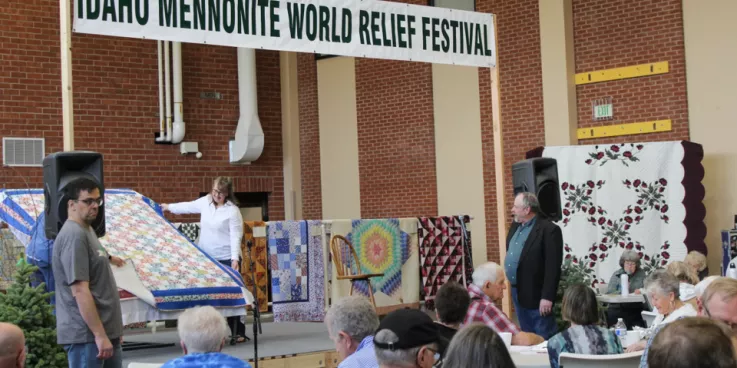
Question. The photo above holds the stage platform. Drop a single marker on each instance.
(278, 339)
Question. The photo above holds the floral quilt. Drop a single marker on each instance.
(645, 197)
(177, 272)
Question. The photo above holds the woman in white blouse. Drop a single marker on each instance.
(221, 231)
(663, 291)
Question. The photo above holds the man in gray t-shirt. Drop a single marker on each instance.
(88, 317)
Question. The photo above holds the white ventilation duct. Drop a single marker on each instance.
(249, 136)
(167, 80)
(162, 118)
(177, 134)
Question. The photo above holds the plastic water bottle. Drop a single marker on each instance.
(625, 285)
(620, 329)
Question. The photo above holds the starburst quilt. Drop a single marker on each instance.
(177, 272)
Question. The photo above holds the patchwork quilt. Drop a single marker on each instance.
(260, 260)
(177, 272)
(297, 270)
(445, 249)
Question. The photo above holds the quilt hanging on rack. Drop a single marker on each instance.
(297, 271)
(387, 246)
(445, 253)
(255, 232)
(646, 197)
(177, 273)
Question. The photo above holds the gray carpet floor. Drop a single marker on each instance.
(277, 339)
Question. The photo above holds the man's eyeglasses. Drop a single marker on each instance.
(731, 325)
(91, 201)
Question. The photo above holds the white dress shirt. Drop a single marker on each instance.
(221, 229)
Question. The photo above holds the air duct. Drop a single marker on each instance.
(249, 136)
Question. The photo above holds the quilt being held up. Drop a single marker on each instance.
(174, 270)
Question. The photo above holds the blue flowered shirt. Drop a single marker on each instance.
(206, 360)
(589, 339)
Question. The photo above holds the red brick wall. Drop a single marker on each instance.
(396, 139)
(116, 108)
(309, 136)
(520, 69)
(612, 34)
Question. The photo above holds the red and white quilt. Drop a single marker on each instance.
(641, 196)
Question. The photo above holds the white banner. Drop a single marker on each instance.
(360, 28)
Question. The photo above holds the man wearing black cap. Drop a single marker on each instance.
(408, 338)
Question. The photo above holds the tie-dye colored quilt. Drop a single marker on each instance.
(176, 271)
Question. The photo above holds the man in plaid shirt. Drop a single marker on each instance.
(486, 290)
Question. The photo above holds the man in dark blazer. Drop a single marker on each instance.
(533, 266)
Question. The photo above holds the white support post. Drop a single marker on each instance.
(67, 106)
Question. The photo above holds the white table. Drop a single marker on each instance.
(527, 357)
(616, 298)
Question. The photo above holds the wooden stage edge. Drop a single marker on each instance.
(318, 359)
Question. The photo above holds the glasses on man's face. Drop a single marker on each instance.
(91, 201)
(731, 325)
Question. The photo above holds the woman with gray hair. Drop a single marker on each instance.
(631, 313)
(663, 291)
(477, 345)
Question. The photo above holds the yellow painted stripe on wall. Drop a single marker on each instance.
(626, 72)
(625, 129)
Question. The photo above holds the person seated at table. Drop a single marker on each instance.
(486, 290)
(693, 342)
(581, 309)
(697, 261)
(663, 291)
(451, 305)
(631, 313)
(477, 345)
(687, 278)
(717, 300)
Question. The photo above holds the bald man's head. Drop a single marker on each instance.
(12, 346)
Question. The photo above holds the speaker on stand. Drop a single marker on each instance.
(540, 177)
(60, 169)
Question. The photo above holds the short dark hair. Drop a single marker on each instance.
(76, 186)
(692, 342)
(580, 305)
(451, 302)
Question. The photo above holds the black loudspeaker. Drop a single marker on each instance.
(539, 176)
(59, 170)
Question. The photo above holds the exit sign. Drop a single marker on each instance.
(603, 109)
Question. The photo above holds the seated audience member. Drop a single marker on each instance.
(202, 334)
(451, 305)
(581, 309)
(631, 313)
(477, 345)
(687, 279)
(408, 338)
(486, 290)
(351, 324)
(697, 261)
(693, 342)
(717, 300)
(663, 291)
(12, 346)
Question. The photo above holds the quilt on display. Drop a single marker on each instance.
(444, 245)
(178, 274)
(297, 271)
(190, 229)
(382, 247)
(645, 197)
(260, 261)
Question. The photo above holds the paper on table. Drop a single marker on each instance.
(127, 279)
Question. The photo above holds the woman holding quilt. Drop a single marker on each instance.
(221, 231)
